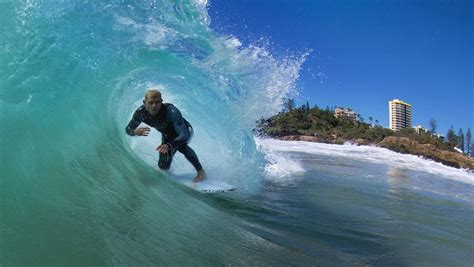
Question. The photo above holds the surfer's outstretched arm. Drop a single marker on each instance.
(132, 129)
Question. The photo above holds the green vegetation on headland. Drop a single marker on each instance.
(320, 125)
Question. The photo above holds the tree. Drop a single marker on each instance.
(307, 106)
(468, 142)
(433, 125)
(461, 139)
(290, 104)
(376, 122)
(371, 119)
(451, 137)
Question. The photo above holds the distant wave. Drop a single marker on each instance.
(366, 154)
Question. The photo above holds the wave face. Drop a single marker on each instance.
(74, 188)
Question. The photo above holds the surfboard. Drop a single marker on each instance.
(208, 185)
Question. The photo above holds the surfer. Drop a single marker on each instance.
(176, 132)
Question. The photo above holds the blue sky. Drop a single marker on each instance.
(367, 52)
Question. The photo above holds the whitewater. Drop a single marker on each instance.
(75, 190)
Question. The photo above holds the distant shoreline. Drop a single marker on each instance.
(401, 145)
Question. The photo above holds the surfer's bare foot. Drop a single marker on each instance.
(201, 175)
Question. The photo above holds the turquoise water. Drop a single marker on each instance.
(75, 190)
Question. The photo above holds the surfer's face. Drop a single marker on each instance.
(153, 105)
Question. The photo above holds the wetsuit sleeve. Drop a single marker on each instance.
(133, 123)
(175, 117)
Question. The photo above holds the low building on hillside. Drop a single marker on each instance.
(345, 113)
(420, 129)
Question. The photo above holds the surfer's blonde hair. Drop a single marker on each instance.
(152, 93)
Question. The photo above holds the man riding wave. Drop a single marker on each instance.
(176, 131)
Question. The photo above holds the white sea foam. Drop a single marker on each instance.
(281, 167)
(367, 154)
(280, 164)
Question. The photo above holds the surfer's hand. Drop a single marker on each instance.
(142, 131)
(163, 148)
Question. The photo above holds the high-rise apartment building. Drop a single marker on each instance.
(400, 114)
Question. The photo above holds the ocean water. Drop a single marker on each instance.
(76, 191)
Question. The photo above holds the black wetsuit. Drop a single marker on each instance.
(176, 132)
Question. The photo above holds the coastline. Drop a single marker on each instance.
(401, 145)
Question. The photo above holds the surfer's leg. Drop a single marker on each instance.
(191, 156)
(164, 162)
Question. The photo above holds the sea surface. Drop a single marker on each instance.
(75, 190)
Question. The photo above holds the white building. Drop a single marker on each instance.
(346, 113)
